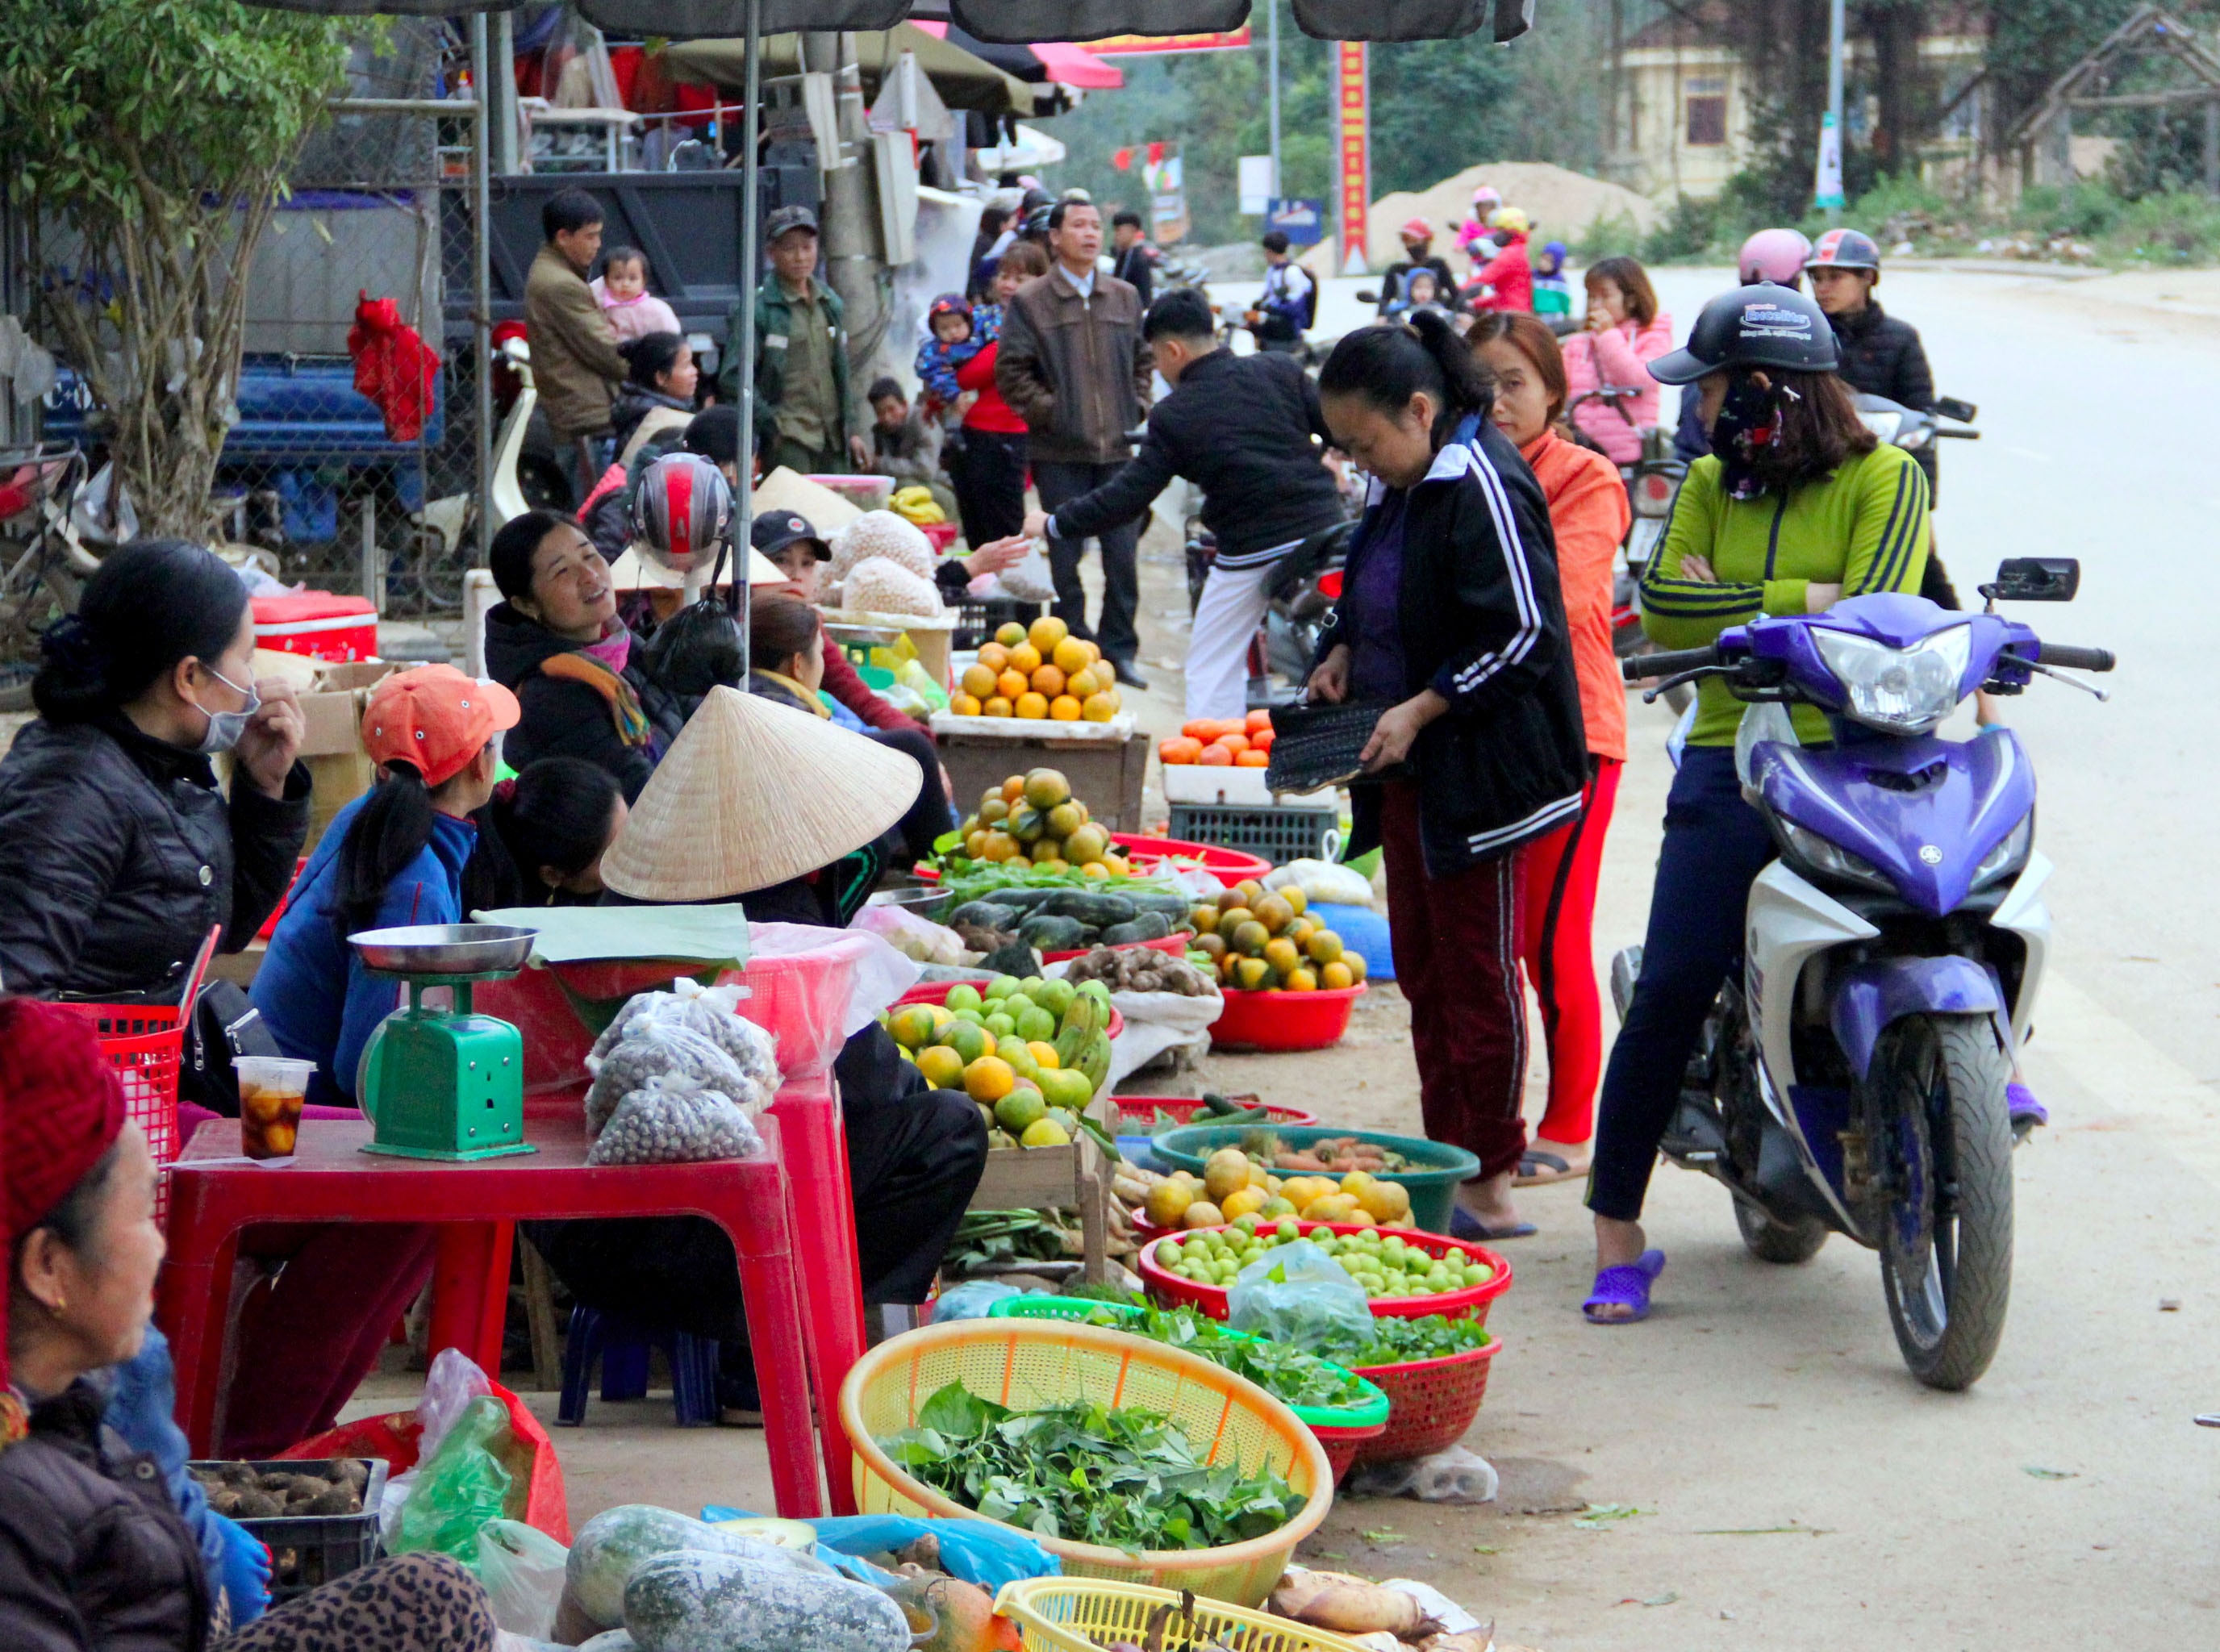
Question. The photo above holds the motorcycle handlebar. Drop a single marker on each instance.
(2076, 660)
(1638, 666)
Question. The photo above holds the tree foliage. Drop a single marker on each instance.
(148, 141)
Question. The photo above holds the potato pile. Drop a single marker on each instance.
(1259, 940)
(239, 1490)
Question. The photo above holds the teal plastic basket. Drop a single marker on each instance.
(1371, 1413)
(1432, 1184)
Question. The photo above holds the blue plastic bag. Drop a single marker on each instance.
(970, 1300)
(977, 1551)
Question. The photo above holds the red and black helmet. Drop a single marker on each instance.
(1844, 249)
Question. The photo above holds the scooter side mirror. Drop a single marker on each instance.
(2034, 579)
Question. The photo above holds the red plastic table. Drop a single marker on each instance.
(331, 1179)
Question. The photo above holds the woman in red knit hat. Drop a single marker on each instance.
(93, 1551)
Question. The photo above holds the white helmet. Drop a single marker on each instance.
(682, 511)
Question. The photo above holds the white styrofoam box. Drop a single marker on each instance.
(1228, 786)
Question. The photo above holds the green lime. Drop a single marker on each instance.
(1035, 1023)
(1001, 987)
(963, 996)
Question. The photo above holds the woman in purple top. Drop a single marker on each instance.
(1452, 620)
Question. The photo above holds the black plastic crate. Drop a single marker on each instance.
(978, 622)
(309, 1550)
(1277, 832)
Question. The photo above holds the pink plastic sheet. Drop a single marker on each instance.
(813, 989)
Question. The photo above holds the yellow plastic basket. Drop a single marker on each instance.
(1024, 1364)
(1064, 1614)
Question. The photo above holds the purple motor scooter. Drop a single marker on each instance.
(1854, 1079)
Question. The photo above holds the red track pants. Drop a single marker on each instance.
(1457, 959)
(1558, 950)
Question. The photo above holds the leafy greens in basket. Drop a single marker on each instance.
(1286, 1373)
(1125, 1478)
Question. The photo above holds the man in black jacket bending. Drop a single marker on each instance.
(1248, 432)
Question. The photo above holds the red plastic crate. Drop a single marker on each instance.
(1430, 1403)
(144, 1043)
(318, 624)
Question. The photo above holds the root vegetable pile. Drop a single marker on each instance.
(238, 1491)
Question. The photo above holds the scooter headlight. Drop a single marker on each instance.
(1829, 859)
(1901, 690)
(2006, 859)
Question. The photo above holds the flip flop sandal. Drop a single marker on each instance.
(1626, 1286)
(1463, 1224)
(1538, 1168)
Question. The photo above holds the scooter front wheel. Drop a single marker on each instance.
(1944, 1143)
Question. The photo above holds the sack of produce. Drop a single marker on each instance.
(1299, 1295)
(713, 1014)
(877, 585)
(653, 1050)
(691, 1601)
(674, 1119)
(1321, 880)
(881, 533)
(617, 1541)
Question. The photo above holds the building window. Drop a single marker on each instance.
(1706, 101)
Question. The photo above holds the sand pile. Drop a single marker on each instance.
(1562, 204)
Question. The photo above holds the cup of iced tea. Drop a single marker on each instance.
(271, 1091)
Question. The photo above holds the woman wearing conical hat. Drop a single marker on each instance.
(760, 803)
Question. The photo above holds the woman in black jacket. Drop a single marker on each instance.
(1451, 618)
(94, 1552)
(118, 853)
(556, 644)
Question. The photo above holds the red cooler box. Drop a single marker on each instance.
(318, 624)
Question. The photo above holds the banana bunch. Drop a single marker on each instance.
(1082, 1043)
(916, 504)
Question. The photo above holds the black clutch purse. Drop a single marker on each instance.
(1315, 746)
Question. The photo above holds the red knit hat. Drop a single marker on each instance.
(61, 1107)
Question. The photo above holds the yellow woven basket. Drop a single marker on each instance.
(1025, 1363)
(1065, 1614)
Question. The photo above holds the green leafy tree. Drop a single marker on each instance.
(148, 141)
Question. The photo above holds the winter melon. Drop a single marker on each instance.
(613, 1543)
(693, 1601)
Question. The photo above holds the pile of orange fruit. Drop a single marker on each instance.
(1244, 743)
(1041, 672)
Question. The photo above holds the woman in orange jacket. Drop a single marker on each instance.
(1589, 516)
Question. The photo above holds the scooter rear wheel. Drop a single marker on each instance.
(1944, 1141)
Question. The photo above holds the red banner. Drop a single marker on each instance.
(1354, 121)
(1136, 45)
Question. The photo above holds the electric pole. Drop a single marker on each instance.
(1829, 194)
(851, 213)
(1272, 55)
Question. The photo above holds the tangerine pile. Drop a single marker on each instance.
(1042, 673)
(1261, 940)
(1241, 743)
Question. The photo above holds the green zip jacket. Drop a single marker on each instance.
(774, 321)
(1863, 527)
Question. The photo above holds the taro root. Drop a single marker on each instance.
(336, 1499)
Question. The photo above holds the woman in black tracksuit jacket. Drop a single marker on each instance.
(1452, 615)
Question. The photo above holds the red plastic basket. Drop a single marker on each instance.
(1171, 946)
(1471, 1303)
(1344, 1446)
(1229, 866)
(1430, 1403)
(1284, 1020)
(144, 1043)
(1143, 1110)
(936, 992)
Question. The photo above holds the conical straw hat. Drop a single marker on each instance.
(751, 795)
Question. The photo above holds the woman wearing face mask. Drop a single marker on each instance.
(1796, 507)
(1451, 617)
(556, 644)
(117, 851)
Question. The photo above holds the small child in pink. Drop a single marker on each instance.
(622, 290)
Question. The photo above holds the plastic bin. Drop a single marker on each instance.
(322, 624)
(1432, 1184)
(144, 1043)
(1064, 1614)
(1278, 834)
(978, 622)
(1274, 1020)
(307, 1550)
(1142, 1110)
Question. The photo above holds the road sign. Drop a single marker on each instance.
(1257, 186)
(1353, 119)
(1301, 219)
(1828, 191)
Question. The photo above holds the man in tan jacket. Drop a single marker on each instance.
(1074, 366)
(575, 363)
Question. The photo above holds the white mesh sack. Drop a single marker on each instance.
(877, 585)
(881, 533)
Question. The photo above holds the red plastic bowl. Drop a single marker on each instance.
(1345, 1446)
(936, 992)
(1284, 1020)
(1471, 1303)
(1171, 946)
(1430, 1403)
(1143, 1110)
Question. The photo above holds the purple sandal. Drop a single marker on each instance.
(1625, 1286)
(2026, 1112)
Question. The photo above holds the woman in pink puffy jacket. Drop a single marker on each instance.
(1625, 333)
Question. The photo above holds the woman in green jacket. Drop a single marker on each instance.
(1798, 508)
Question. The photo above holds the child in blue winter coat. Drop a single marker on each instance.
(958, 333)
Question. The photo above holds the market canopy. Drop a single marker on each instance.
(1008, 21)
(963, 80)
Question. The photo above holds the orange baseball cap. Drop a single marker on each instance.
(436, 719)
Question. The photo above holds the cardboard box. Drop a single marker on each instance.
(332, 747)
(1108, 773)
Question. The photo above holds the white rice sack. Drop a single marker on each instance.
(877, 585)
(882, 533)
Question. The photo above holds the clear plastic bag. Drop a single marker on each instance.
(977, 1551)
(1321, 880)
(917, 939)
(1455, 1476)
(453, 1382)
(814, 988)
(523, 1570)
(640, 1042)
(1299, 1295)
(653, 1049)
(459, 1486)
(672, 1119)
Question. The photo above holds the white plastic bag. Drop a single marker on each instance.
(1156, 1022)
(1299, 1295)
(1454, 1476)
(453, 1382)
(674, 1119)
(1321, 880)
(913, 936)
(523, 1569)
(1025, 580)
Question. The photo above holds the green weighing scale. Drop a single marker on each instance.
(444, 1083)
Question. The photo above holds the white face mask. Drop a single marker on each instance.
(226, 726)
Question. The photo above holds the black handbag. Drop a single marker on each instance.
(224, 1024)
(700, 647)
(1315, 746)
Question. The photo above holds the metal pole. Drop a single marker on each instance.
(482, 281)
(1272, 26)
(501, 107)
(1835, 88)
(751, 237)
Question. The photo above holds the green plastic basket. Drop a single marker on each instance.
(1372, 1411)
(1432, 1186)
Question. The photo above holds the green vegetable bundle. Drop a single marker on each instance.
(1399, 1342)
(1287, 1374)
(1124, 1479)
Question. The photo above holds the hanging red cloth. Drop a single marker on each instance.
(392, 367)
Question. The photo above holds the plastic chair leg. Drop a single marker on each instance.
(624, 1362)
(585, 1342)
(694, 1380)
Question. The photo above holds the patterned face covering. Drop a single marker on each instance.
(1749, 423)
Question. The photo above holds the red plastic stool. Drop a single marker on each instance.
(476, 1206)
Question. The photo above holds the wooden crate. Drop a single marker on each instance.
(1055, 1178)
(1106, 773)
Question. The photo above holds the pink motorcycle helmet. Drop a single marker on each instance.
(1775, 255)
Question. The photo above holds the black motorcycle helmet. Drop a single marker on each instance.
(1761, 326)
(1844, 249)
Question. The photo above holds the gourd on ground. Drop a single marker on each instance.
(697, 1601)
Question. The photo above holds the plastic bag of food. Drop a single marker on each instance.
(912, 936)
(881, 533)
(712, 1013)
(971, 1299)
(675, 1120)
(877, 585)
(1321, 880)
(977, 1551)
(1299, 1295)
(656, 1049)
(523, 1571)
(459, 1486)
(1453, 1475)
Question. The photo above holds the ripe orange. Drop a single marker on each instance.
(1083, 681)
(1010, 684)
(1064, 709)
(998, 706)
(1026, 658)
(1046, 633)
(978, 682)
(965, 704)
(1257, 719)
(1181, 749)
(993, 656)
(1070, 656)
(1049, 681)
(1030, 704)
(1252, 759)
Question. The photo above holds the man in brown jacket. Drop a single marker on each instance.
(1072, 365)
(574, 364)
